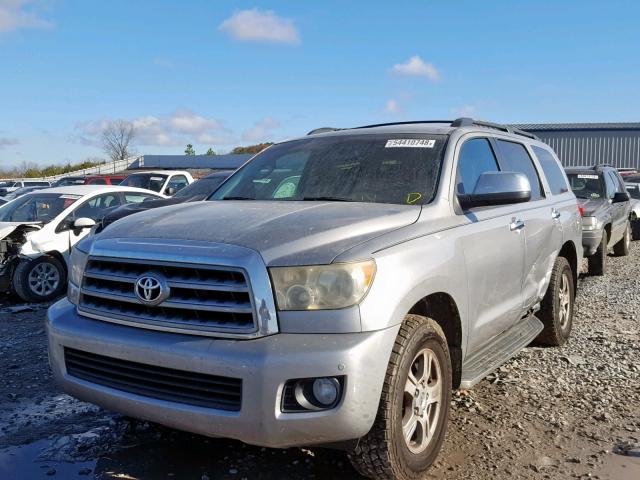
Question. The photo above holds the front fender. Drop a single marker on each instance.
(410, 271)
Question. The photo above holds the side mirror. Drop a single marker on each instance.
(620, 197)
(170, 191)
(497, 188)
(82, 223)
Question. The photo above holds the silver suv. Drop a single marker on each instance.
(333, 292)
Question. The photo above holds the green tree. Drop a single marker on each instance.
(210, 152)
(189, 150)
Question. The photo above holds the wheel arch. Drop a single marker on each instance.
(442, 308)
(568, 251)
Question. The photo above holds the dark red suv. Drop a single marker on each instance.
(104, 179)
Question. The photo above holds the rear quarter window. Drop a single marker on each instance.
(551, 167)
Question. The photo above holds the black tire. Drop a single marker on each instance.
(635, 227)
(598, 261)
(621, 249)
(557, 326)
(25, 287)
(383, 453)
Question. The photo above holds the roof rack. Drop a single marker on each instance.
(413, 122)
(458, 122)
(468, 122)
(323, 130)
(601, 165)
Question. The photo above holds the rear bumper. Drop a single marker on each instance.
(263, 364)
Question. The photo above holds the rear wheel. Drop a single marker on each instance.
(556, 312)
(414, 407)
(621, 249)
(598, 261)
(40, 280)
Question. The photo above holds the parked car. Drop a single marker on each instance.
(166, 182)
(605, 224)
(626, 171)
(19, 192)
(15, 185)
(633, 188)
(333, 291)
(70, 180)
(38, 229)
(197, 191)
(104, 179)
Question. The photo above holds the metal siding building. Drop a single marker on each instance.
(617, 144)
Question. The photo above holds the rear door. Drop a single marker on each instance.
(541, 216)
(493, 251)
(620, 210)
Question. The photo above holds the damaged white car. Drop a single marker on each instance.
(38, 230)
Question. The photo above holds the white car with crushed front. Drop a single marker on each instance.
(38, 230)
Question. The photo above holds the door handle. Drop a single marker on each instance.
(516, 225)
(555, 214)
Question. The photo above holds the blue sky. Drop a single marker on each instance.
(222, 73)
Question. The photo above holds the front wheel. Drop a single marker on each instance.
(414, 407)
(40, 280)
(598, 261)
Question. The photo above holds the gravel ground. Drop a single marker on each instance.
(570, 412)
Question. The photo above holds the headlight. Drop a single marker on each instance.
(322, 287)
(589, 223)
(78, 261)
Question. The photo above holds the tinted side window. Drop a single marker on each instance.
(553, 172)
(611, 184)
(617, 181)
(516, 159)
(476, 157)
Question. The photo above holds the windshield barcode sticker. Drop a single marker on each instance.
(410, 143)
(593, 177)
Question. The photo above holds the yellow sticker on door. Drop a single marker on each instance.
(413, 197)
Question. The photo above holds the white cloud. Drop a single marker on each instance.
(416, 67)
(260, 26)
(392, 106)
(14, 15)
(8, 142)
(464, 111)
(262, 131)
(179, 128)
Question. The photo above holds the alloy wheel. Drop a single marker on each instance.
(44, 279)
(564, 297)
(422, 401)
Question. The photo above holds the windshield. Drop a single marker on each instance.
(36, 207)
(586, 185)
(201, 189)
(394, 168)
(150, 181)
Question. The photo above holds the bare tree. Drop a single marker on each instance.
(117, 138)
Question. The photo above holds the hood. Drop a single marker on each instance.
(6, 228)
(590, 205)
(284, 233)
(126, 210)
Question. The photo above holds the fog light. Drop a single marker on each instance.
(325, 390)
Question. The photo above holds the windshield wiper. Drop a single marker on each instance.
(237, 198)
(327, 199)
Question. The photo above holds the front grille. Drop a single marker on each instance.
(201, 298)
(210, 391)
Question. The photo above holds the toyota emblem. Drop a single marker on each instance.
(151, 289)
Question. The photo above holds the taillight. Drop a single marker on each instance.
(581, 210)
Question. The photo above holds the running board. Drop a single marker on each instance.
(501, 349)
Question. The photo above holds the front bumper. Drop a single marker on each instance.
(591, 241)
(264, 365)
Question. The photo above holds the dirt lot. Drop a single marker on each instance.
(572, 412)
